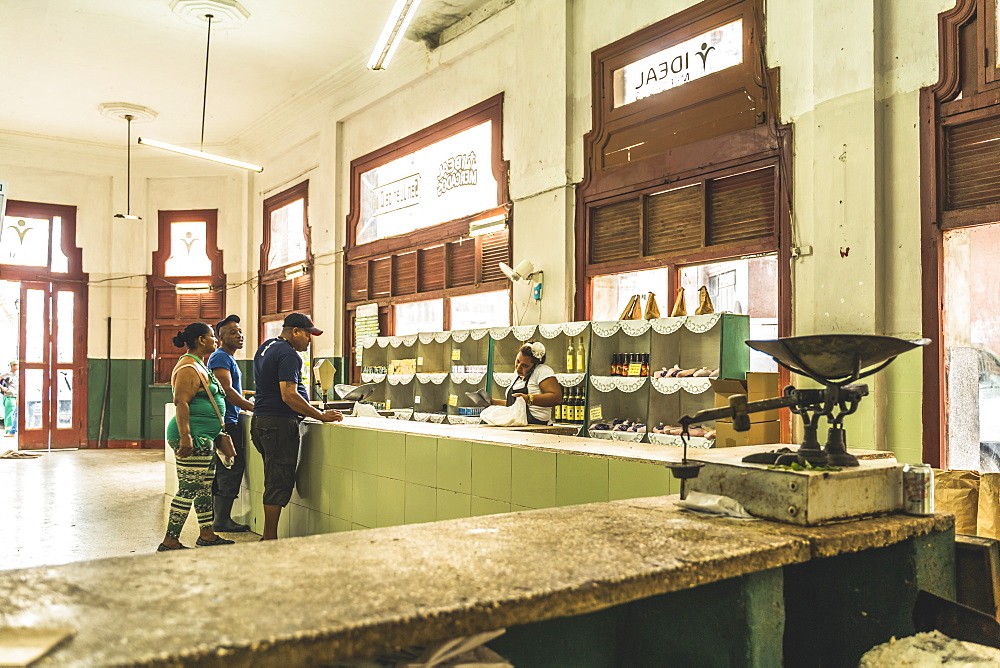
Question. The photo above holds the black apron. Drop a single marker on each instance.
(524, 390)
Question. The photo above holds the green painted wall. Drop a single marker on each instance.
(135, 410)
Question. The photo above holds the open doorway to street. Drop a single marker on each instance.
(43, 327)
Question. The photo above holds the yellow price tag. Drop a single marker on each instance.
(634, 369)
(456, 354)
(595, 413)
(452, 400)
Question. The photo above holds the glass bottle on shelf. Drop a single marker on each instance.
(581, 356)
(644, 371)
(580, 407)
(557, 413)
(570, 357)
(614, 364)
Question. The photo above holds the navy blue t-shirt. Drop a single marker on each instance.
(220, 359)
(276, 362)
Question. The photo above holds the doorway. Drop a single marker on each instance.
(43, 316)
(972, 347)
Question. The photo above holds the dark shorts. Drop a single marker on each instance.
(277, 440)
(227, 481)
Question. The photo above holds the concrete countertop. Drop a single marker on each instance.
(577, 445)
(336, 596)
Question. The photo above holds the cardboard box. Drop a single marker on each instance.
(758, 386)
(761, 433)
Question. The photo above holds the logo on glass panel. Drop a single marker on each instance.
(711, 52)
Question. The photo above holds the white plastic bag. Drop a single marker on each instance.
(506, 416)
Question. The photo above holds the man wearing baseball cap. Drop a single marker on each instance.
(279, 406)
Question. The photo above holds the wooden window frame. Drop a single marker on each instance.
(968, 89)
(158, 281)
(425, 238)
(268, 276)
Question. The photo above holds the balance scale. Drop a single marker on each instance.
(834, 485)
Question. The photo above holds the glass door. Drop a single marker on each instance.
(51, 405)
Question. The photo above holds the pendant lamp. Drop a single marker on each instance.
(204, 104)
(128, 174)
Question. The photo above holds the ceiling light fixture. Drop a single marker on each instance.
(489, 225)
(193, 288)
(128, 173)
(295, 271)
(392, 33)
(204, 105)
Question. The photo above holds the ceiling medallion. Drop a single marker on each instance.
(226, 14)
(120, 110)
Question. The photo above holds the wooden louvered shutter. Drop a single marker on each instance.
(495, 249)
(270, 298)
(404, 274)
(379, 277)
(614, 232)
(357, 281)
(211, 306)
(972, 163)
(164, 303)
(741, 207)
(189, 307)
(286, 297)
(461, 263)
(303, 293)
(674, 221)
(430, 272)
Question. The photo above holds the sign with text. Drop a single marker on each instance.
(441, 182)
(708, 53)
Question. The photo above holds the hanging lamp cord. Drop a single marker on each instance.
(128, 167)
(204, 94)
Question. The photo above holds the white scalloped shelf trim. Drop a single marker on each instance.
(373, 377)
(477, 334)
(437, 418)
(497, 333)
(437, 377)
(635, 327)
(604, 434)
(426, 337)
(691, 385)
(620, 383)
(567, 328)
(694, 442)
(699, 324)
(503, 379)
(570, 379)
(368, 341)
(523, 332)
(402, 414)
(460, 335)
(607, 328)
(399, 378)
(628, 436)
(474, 378)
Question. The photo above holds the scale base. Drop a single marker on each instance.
(805, 498)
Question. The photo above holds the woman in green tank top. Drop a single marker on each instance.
(191, 435)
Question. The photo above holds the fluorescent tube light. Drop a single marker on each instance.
(200, 154)
(392, 33)
(488, 225)
(295, 272)
(193, 288)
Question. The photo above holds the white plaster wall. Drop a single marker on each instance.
(850, 74)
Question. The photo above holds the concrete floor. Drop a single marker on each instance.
(85, 504)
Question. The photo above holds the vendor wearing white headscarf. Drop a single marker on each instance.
(536, 382)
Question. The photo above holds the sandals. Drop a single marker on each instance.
(219, 540)
(163, 548)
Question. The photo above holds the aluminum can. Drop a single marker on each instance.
(918, 489)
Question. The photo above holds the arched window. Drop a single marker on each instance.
(285, 259)
(187, 284)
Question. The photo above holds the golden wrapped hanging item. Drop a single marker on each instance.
(636, 313)
(628, 308)
(680, 308)
(652, 309)
(704, 302)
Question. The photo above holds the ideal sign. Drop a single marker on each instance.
(449, 179)
(708, 53)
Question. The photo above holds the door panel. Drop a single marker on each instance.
(52, 405)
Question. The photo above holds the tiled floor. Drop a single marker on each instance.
(84, 504)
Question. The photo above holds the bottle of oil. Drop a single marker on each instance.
(570, 357)
(581, 356)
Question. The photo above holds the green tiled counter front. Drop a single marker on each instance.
(366, 473)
